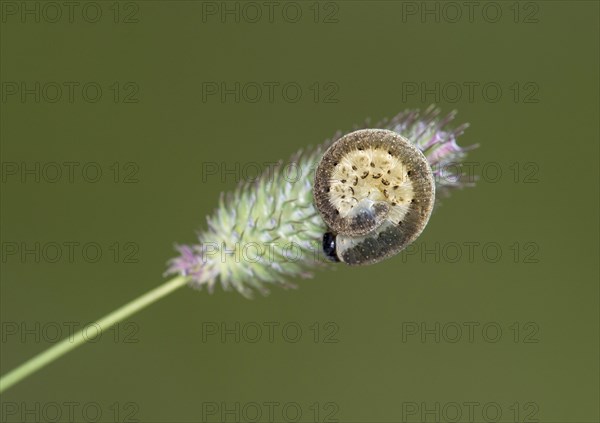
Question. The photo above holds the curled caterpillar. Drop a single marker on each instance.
(375, 191)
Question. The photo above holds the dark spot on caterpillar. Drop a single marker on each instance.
(372, 164)
(413, 201)
(385, 193)
(409, 173)
(393, 203)
(364, 175)
(354, 167)
(352, 189)
(355, 180)
(329, 246)
(343, 181)
(389, 171)
(385, 182)
(389, 152)
(396, 186)
(377, 176)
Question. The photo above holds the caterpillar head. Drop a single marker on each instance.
(375, 190)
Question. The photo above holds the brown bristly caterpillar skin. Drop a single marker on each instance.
(375, 190)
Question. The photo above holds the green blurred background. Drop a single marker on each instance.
(156, 128)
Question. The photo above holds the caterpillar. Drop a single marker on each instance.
(375, 190)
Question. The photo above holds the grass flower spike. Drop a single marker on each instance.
(270, 231)
(264, 232)
(356, 199)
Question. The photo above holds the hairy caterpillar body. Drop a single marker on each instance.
(375, 190)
